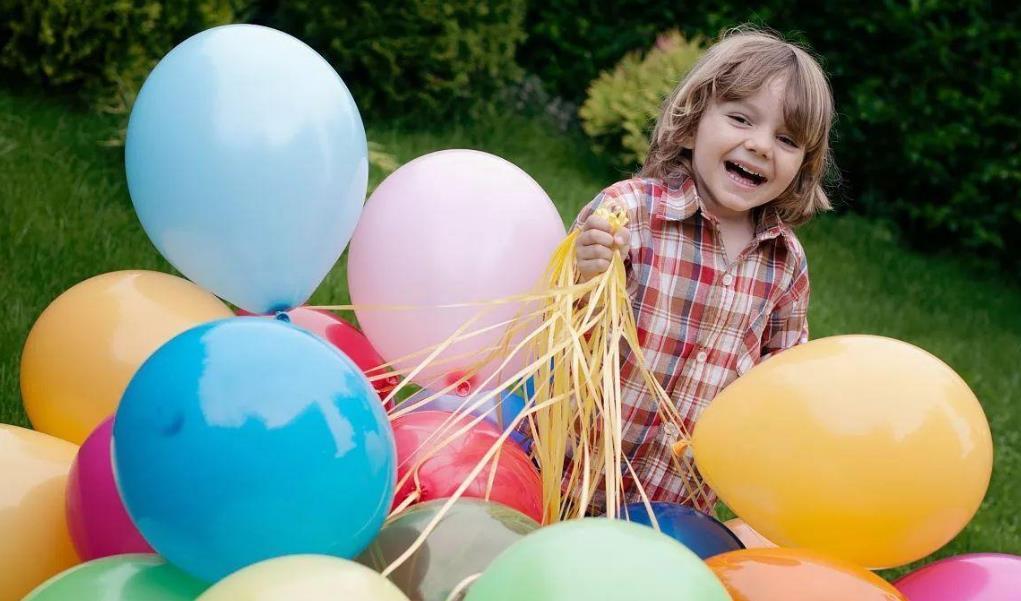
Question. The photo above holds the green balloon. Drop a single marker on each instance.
(470, 535)
(597, 559)
(133, 577)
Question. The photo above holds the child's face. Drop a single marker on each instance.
(741, 136)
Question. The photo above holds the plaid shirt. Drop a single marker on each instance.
(702, 319)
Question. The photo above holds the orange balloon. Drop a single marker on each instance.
(748, 536)
(864, 447)
(34, 540)
(797, 575)
(86, 346)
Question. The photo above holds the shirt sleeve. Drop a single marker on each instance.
(788, 323)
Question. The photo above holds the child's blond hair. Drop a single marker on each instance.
(736, 67)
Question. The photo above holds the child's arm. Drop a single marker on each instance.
(788, 324)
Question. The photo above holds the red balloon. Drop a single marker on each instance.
(515, 484)
(345, 337)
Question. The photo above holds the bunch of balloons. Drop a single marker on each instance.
(247, 453)
(257, 445)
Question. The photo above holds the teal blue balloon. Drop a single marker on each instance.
(247, 164)
(247, 438)
(120, 578)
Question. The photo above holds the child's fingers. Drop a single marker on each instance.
(591, 237)
(593, 266)
(593, 251)
(622, 239)
(597, 230)
(595, 245)
(595, 222)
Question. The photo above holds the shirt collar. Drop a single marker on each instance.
(769, 225)
(680, 201)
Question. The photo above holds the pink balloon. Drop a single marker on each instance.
(96, 517)
(449, 227)
(973, 577)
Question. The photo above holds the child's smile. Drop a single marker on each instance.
(744, 174)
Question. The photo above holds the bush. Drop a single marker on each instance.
(623, 104)
(571, 41)
(102, 50)
(424, 57)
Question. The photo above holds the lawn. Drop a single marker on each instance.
(65, 216)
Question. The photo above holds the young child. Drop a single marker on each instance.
(717, 279)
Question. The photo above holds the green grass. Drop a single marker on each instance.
(65, 216)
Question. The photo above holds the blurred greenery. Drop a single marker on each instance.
(100, 50)
(427, 57)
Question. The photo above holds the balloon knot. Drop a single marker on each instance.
(463, 388)
(680, 447)
(282, 316)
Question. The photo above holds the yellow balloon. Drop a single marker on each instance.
(864, 447)
(305, 577)
(86, 346)
(34, 540)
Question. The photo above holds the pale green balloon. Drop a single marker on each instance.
(133, 577)
(597, 559)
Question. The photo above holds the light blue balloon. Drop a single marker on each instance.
(247, 164)
(247, 438)
(510, 405)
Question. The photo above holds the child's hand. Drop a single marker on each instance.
(595, 245)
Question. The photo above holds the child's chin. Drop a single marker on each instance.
(736, 194)
(738, 204)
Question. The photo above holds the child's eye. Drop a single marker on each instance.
(739, 119)
(789, 141)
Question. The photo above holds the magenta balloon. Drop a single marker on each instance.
(96, 517)
(973, 577)
(453, 226)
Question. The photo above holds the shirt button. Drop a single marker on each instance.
(701, 357)
(728, 279)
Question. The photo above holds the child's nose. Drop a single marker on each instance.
(760, 143)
